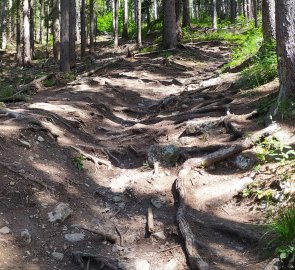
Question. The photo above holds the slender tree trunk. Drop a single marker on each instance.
(285, 33)
(155, 10)
(4, 25)
(72, 33)
(178, 17)
(169, 26)
(138, 24)
(233, 10)
(116, 22)
(186, 13)
(91, 24)
(268, 19)
(47, 26)
(214, 14)
(78, 21)
(83, 28)
(41, 31)
(56, 30)
(65, 36)
(32, 26)
(254, 4)
(18, 33)
(125, 19)
(27, 59)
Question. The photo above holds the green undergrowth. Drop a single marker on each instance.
(263, 68)
(6, 91)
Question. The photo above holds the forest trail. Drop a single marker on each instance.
(86, 144)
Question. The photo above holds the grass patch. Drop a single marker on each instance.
(6, 91)
(262, 70)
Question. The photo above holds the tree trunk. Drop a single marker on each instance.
(91, 24)
(65, 36)
(116, 22)
(41, 32)
(18, 33)
(156, 10)
(285, 35)
(138, 24)
(214, 14)
(4, 25)
(186, 13)
(27, 59)
(268, 19)
(56, 30)
(254, 3)
(125, 20)
(78, 21)
(233, 10)
(32, 26)
(178, 17)
(72, 33)
(83, 28)
(169, 26)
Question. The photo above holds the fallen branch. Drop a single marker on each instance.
(150, 220)
(93, 71)
(108, 237)
(154, 52)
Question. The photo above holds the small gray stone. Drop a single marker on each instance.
(74, 237)
(60, 213)
(26, 236)
(243, 162)
(166, 155)
(40, 139)
(25, 143)
(142, 265)
(159, 235)
(4, 230)
(158, 203)
(57, 255)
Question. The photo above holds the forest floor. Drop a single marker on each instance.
(85, 143)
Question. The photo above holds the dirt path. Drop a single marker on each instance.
(112, 118)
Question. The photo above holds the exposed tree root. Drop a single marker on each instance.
(88, 261)
(26, 177)
(153, 52)
(97, 161)
(108, 237)
(195, 260)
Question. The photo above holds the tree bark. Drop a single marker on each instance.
(32, 26)
(285, 35)
(214, 14)
(72, 33)
(65, 36)
(4, 25)
(178, 17)
(18, 33)
(125, 20)
(138, 23)
(83, 28)
(41, 32)
(186, 13)
(116, 22)
(268, 20)
(56, 30)
(91, 24)
(254, 3)
(27, 59)
(169, 28)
